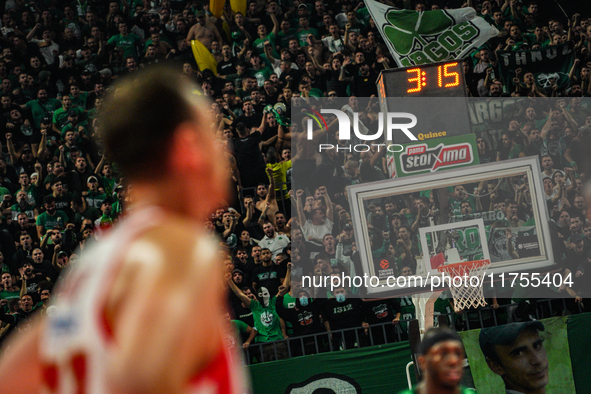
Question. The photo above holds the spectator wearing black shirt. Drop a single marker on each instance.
(241, 311)
(248, 157)
(7, 103)
(81, 174)
(378, 312)
(24, 252)
(19, 319)
(23, 225)
(69, 41)
(63, 198)
(7, 173)
(249, 117)
(43, 267)
(270, 93)
(259, 105)
(365, 82)
(289, 76)
(32, 278)
(340, 313)
(333, 83)
(267, 274)
(577, 255)
(304, 318)
(238, 278)
(23, 51)
(227, 65)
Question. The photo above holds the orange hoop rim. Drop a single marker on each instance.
(463, 266)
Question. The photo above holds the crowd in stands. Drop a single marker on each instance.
(59, 191)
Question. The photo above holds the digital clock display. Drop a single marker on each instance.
(429, 80)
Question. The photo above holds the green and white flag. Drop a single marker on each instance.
(432, 36)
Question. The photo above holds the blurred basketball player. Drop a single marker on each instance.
(143, 312)
(441, 357)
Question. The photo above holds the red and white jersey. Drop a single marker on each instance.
(78, 336)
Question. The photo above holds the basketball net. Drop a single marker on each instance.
(466, 280)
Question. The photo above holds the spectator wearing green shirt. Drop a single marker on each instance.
(456, 199)
(260, 71)
(75, 126)
(71, 20)
(259, 44)
(94, 195)
(285, 34)
(5, 196)
(25, 90)
(79, 98)
(95, 111)
(8, 289)
(540, 36)
(60, 116)
(511, 149)
(50, 218)
(23, 206)
(105, 174)
(239, 34)
(128, 41)
(120, 205)
(240, 330)
(42, 106)
(30, 190)
(107, 217)
(267, 322)
(363, 16)
(304, 30)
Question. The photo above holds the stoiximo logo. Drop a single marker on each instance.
(419, 158)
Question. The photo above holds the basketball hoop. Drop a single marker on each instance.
(467, 292)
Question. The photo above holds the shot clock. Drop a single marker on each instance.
(429, 80)
(435, 93)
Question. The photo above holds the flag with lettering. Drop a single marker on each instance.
(550, 66)
(432, 36)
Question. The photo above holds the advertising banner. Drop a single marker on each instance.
(556, 357)
(430, 155)
(381, 369)
(373, 370)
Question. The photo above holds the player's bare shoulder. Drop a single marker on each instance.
(175, 247)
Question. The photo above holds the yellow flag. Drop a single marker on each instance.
(203, 57)
(217, 7)
(238, 6)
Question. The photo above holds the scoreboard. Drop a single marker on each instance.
(428, 80)
(435, 93)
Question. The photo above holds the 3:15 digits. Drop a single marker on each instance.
(443, 75)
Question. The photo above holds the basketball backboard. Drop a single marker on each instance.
(493, 211)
